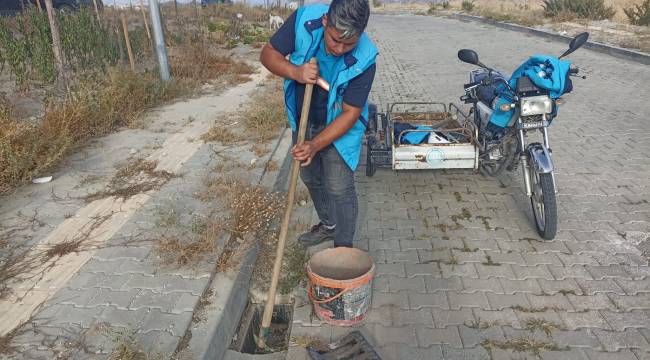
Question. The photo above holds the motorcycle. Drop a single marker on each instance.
(507, 111)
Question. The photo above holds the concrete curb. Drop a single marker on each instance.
(611, 50)
(211, 338)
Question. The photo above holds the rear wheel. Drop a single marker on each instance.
(543, 203)
(370, 165)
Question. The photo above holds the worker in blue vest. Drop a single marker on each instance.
(335, 35)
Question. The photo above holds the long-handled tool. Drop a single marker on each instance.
(293, 180)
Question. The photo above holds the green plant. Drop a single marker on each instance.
(86, 44)
(467, 5)
(377, 3)
(586, 9)
(639, 14)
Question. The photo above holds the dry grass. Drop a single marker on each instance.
(221, 133)
(540, 324)
(134, 177)
(270, 166)
(127, 346)
(265, 114)
(530, 345)
(189, 249)
(197, 64)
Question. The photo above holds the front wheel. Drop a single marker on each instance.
(543, 203)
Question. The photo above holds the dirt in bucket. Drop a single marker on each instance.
(249, 327)
(338, 265)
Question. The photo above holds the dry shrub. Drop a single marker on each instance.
(196, 63)
(585, 9)
(265, 114)
(253, 208)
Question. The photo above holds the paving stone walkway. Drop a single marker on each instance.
(461, 273)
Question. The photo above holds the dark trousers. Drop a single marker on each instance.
(331, 186)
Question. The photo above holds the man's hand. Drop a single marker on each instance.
(306, 73)
(304, 152)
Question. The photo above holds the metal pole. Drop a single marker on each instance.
(159, 38)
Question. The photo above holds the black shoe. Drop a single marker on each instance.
(316, 235)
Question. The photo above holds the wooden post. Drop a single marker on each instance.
(97, 11)
(126, 41)
(56, 41)
(38, 4)
(146, 24)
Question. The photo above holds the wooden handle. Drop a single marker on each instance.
(282, 239)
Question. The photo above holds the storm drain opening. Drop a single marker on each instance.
(249, 327)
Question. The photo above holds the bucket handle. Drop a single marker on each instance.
(312, 297)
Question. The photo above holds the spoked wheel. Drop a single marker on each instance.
(370, 165)
(543, 203)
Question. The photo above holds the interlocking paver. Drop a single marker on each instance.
(449, 335)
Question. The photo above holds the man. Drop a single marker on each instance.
(333, 34)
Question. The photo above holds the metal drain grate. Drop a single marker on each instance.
(352, 346)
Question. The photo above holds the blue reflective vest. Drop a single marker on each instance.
(309, 34)
(547, 72)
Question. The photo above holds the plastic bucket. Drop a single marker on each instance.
(341, 285)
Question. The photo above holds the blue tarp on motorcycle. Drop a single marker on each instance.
(547, 72)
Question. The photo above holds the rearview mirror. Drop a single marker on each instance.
(468, 56)
(576, 43)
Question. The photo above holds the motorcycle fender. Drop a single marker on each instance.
(541, 158)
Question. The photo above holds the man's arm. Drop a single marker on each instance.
(280, 66)
(354, 99)
(344, 122)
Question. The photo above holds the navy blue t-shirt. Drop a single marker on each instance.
(356, 94)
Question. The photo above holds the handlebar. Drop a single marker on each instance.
(470, 86)
(574, 71)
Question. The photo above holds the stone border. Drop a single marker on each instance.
(599, 47)
(211, 338)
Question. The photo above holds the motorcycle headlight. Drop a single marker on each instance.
(536, 105)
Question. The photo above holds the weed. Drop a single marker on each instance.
(265, 114)
(466, 248)
(586, 9)
(197, 64)
(481, 325)
(204, 302)
(127, 346)
(489, 262)
(458, 196)
(132, 178)
(259, 150)
(272, 166)
(468, 5)
(533, 309)
(293, 267)
(221, 134)
(167, 217)
(484, 220)
(547, 327)
(521, 345)
(452, 261)
(193, 247)
(639, 14)
(306, 340)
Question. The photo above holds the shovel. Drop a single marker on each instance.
(293, 180)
